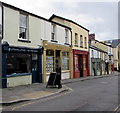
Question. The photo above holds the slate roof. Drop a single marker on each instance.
(113, 43)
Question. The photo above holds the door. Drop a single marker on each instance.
(81, 66)
(57, 59)
(35, 75)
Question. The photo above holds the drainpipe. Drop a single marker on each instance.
(71, 58)
(0, 63)
(1, 36)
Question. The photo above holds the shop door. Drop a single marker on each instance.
(57, 59)
(81, 65)
(35, 75)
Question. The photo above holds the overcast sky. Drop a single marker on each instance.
(99, 16)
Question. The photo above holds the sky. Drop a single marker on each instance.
(98, 16)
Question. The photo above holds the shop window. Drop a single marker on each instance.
(18, 63)
(84, 63)
(76, 39)
(76, 63)
(23, 27)
(49, 61)
(65, 61)
(66, 36)
(53, 32)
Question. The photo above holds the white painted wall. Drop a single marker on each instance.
(96, 54)
(19, 80)
(38, 30)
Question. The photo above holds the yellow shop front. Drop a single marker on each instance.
(55, 56)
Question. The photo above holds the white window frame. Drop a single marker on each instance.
(76, 39)
(53, 32)
(66, 36)
(23, 27)
(85, 42)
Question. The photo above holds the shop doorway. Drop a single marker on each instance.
(57, 59)
(81, 65)
(35, 75)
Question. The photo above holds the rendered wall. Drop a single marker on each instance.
(19, 80)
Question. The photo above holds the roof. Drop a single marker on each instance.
(53, 16)
(114, 43)
(95, 48)
(18, 9)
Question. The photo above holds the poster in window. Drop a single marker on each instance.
(84, 63)
(65, 63)
(76, 63)
(49, 64)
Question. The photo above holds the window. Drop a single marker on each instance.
(49, 61)
(76, 63)
(53, 37)
(85, 42)
(23, 27)
(97, 54)
(84, 63)
(76, 39)
(18, 63)
(65, 60)
(81, 41)
(92, 53)
(66, 36)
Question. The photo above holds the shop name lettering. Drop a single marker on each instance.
(21, 50)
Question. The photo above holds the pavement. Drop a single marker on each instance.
(38, 91)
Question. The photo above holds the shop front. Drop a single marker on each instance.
(21, 66)
(96, 67)
(80, 63)
(56, 56)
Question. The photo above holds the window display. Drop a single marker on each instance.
(76, 63)
(49, 61)
(65, 61)
(84, 63)
(18, 63)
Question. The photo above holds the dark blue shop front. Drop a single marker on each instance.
(20, 62)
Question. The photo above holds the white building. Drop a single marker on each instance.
(24, 37)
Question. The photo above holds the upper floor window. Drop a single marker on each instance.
(53, 31)
(97, 54)
(23, 27)
(85, 42)
(92, 53)
(81, 41)
(76, 39)
(66, 36)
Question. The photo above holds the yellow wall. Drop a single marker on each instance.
(100, 46)
(75, 29)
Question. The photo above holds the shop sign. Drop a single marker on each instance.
(15, 49)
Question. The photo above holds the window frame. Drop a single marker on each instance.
(23, 27)
(76, 40)
(85, 41)
(66, 36)
(81, 41)
(53, 32)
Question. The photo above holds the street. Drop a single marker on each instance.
(89, 95)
